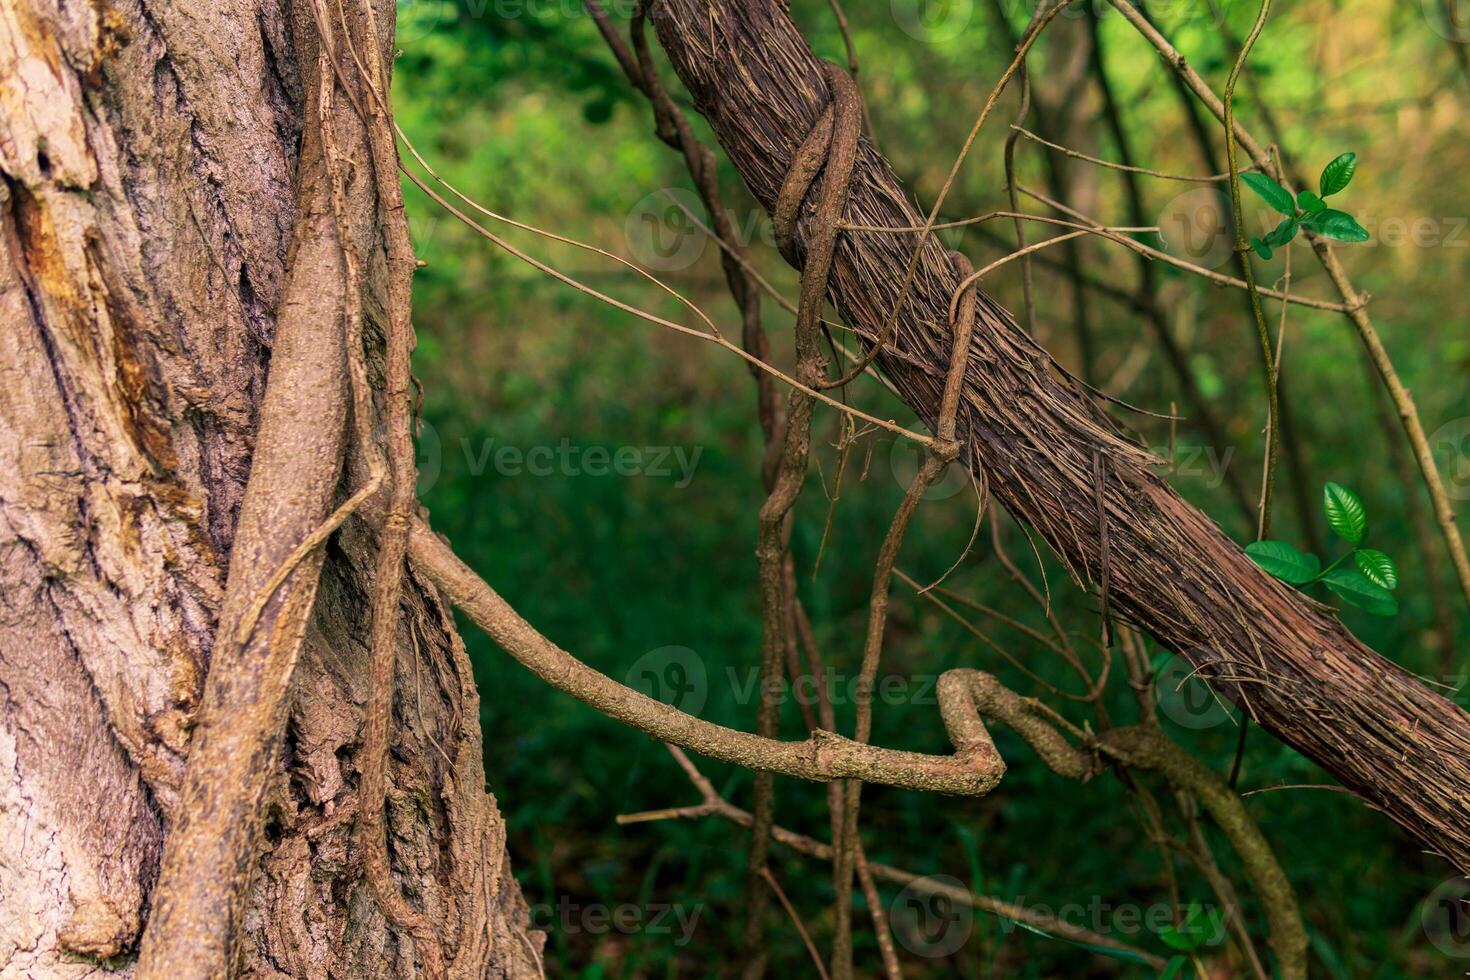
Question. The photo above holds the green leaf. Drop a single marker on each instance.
(1310, 202)
(1338, 174)
(1282, 234)
(1378, 567)
(1345, 512)
(1356, 588)
(1336, 224)
(1260, 248)
(1198, 926)
(1328, 956)
(1284, 561)
(1172, 968)
(1175, 939)
(1271, 192)
(1126, 955)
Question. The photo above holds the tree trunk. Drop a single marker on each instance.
(150, 158)
(1039, 442)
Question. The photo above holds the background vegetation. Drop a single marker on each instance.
(521, 106)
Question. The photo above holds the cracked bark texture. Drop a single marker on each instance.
(149, 157)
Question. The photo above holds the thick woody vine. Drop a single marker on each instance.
(946, 348)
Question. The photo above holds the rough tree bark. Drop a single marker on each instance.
(1037, 438)
(150, 156)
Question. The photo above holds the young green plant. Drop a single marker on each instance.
(1307, 210)
(1364, 577)
(1200, 927)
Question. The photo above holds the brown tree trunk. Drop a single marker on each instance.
(149, 155)
(1039, 442)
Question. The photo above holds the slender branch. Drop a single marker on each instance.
(1056, 176)
(791, 912)
(820, 757)
(1355, 310)
(966, 697)
(1044, 16)
(945, 451)
(887, 425)
(1247, 271)
(712, 804)
(1124, 167)
(372, 829)
(852, 66)
(1148, 289)
(1148, 748)
(1296, 670)
(1178, 263)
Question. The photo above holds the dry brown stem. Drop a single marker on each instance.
(1293, 668)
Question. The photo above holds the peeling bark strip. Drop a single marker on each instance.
(148, 175)
(1289, 664)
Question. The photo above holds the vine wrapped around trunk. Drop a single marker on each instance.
(1034, 433)
(149, 177)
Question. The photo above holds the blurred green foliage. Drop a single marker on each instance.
(519, 104)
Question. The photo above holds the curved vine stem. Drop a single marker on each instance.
(1247, 272)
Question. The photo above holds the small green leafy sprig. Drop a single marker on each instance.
(1364, 577)
(1308, 210)
(1199, 927)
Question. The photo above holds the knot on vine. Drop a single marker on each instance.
(831, 143)
(829, 149)
(947, 450)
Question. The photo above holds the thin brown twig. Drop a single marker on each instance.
(1354, 306)
(852, 67)
(1147, 295)
(372, 829)
(1028, 279)
(712, 804)
(945, 451)
(830, 147)
(1247, 271)
(1215, 277)
(1126, 168)
(1044, 16)
(791, 912)
(888, 425)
